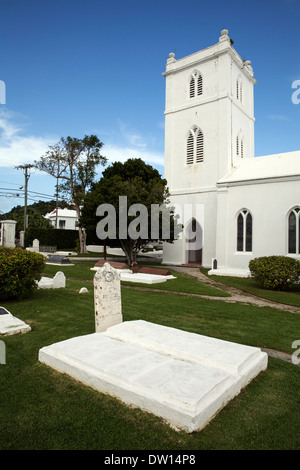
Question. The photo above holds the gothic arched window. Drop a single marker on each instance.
(239, 89)
(196, 84)
(240, 145)
(244, 231)
(195, 146)
(294, 231)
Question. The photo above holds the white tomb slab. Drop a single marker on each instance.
(181, 377)
(143, 278)
(10, 325)
(57, 282)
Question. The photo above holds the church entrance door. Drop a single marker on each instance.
(194, 242)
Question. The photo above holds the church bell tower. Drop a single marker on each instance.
(209, 127)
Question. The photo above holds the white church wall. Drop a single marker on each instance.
(202, 206)
(225, 182)
(269, 204)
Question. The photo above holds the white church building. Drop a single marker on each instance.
(247, 206)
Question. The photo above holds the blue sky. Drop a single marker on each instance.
(76, 67)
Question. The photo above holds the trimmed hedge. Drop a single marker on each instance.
(19, 269)
(62, 239)
(275, 272)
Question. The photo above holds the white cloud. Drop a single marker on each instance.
(133, 144)
(15, 148)
(121, 154)
(133, 138)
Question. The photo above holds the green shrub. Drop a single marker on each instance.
(62, 239)
(19, 269)
(275, 272)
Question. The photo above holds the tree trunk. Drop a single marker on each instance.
(82, 240)
(82, 234)
(128, 250)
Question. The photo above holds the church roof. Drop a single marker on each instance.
(280, 165)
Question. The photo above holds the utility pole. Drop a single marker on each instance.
(27, 176)
(57, 177)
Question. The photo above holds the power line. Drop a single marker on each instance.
(41, 194)
(6, 182)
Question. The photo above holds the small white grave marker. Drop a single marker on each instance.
(59, 280)
(10, 325)
(36, 245)
(107, 298)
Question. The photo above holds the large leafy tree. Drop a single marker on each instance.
(128, 207)
(73, 163)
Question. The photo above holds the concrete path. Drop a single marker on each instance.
(238, 296)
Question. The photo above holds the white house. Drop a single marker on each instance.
(243, 206)
(66, 219)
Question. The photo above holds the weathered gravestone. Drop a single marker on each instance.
(7, 233)
(107, 298)
(36, 245)
(9, 325)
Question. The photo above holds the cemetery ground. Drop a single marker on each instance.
(44, 409)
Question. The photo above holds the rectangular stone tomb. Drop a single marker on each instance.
(10, 325)
(60, 260)
(144, 278)
(181, 377)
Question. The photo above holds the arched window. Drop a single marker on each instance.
(196, 84)
(244, 231)
(192, 87)
(294, 231)
(240, 145)
(199, 85)
(239, 89)
(195, 146)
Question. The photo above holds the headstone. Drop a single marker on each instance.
(36, 245)
(59, 280)
(83, 290)
(107, 298)
(22, 241)
(8, 233)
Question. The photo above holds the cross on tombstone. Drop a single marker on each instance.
(107, 298)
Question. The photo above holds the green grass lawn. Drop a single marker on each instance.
(43, 409)
(290, 297)
(182, 283)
